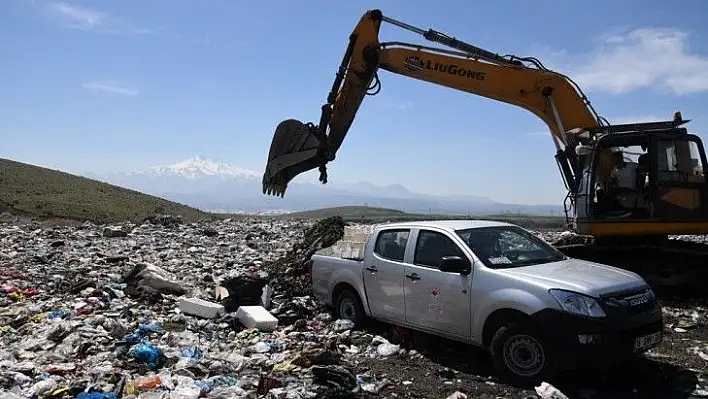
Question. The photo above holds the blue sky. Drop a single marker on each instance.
(121, 85)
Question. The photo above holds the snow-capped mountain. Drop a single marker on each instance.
(196, 167)
(219, 186)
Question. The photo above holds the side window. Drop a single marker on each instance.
(432, 246)
(680, 161)
(391, 244)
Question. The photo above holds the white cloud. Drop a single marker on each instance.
(83, 18)
(78, 17)
(109, 87)
(642, 58)
(93, 20)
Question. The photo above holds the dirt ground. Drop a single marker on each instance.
(443, 367)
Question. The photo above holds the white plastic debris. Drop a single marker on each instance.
(43, 386)
(548, 391)
(387, 349)
(201, 308)
(266, 297)
(256, 317)
(159, 279)
(343, 325)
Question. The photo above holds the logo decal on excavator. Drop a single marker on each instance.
(413, 63)
(416, 64)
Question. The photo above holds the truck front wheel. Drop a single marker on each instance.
(520, 355)
(348, 306)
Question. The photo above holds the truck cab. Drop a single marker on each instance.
(493, 285)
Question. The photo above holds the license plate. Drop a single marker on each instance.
(646, 341)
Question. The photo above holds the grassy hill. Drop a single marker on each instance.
(30, 190)
(34, 191)
(364, 214)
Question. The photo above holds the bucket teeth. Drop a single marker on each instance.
(294, 149)
(274, 189)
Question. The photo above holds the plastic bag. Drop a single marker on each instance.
(148, 354)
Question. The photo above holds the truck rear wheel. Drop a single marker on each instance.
(520, 355)
(348, 306)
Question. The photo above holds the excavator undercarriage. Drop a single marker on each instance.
(674, 266)
(630, 186)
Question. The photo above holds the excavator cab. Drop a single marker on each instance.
(651, 177)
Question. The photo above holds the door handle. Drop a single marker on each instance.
(372, 268)
(413, 276)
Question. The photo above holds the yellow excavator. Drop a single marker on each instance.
(632, 184)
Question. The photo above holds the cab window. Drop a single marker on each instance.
(391, 244)
(680, 161)
(431, 246)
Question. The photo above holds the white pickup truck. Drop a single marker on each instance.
(497, 286)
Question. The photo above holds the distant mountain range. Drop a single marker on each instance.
(217, 186)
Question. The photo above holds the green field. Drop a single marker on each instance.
(29, 190)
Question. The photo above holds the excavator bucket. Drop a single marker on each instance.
(294, 150)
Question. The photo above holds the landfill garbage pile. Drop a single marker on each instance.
(221, 309)
(285, 270)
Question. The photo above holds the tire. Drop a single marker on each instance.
(521, 356)
(348, 306)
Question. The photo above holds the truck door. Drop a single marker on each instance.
(436, 299)
(384, 273)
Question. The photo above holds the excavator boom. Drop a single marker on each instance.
(664, 187)
(298, 147)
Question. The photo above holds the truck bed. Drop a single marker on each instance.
(351, 246)
(327, 270)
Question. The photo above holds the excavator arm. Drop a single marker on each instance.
(524, 82)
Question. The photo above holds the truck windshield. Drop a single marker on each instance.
(508, 246)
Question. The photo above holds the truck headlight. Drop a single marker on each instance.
(579, 304)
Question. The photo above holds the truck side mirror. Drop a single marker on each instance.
(455, 264)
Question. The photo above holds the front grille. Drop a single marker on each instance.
(629, 302)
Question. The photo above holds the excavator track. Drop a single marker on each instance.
(675, 267)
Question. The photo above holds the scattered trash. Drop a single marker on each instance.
(148, 281)
(96, 395)
(201, 308)
(246, 290)
(256, 317)
(343, 325)
(218, 309)
(548, 391)
(192, 352)
(149, 354)
(113, 232)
